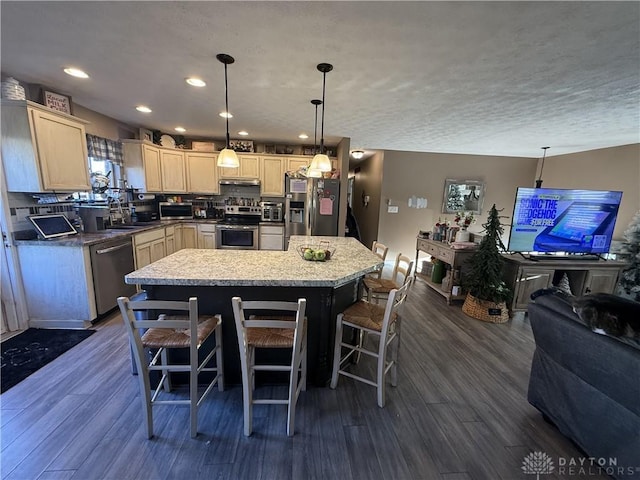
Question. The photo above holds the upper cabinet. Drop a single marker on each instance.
(249, 168)
(43, 150)
(172, 171)
(272, 176)
(154, 169)
(202, 172)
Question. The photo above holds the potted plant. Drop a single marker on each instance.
(487, 293)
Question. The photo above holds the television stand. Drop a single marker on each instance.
(544, 257)
(586, 275)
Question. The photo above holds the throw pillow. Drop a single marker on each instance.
(609, 314)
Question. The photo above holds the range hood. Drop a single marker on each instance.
(250, 182)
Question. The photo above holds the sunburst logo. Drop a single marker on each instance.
(537, 463)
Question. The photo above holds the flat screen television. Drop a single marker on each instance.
(561, 220)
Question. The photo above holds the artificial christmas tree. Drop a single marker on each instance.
(630, 278)
(487, 292)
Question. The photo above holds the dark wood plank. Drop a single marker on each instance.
(459, 412)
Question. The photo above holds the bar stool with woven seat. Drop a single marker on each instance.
(379, 288)
(383, 322)
(381, 251)
(283, 326)
(165, 332)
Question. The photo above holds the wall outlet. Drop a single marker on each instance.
(392, 209)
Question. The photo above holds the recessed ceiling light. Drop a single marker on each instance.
(243, 133)
(226, 115)
(75, 72)
(303, 136)
(143, 109)
(180, 129)
(196, 82)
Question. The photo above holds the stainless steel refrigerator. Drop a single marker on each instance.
(311, 207)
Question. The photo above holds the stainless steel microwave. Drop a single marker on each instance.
(175, 211)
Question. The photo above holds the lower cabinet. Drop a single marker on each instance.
(206, 236)
(170, 240)
(149, 247)
(271, 237)
(189, 235)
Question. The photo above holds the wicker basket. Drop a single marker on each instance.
(484, 310)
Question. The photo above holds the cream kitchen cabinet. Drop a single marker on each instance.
(206, 235)
(43, 150)
(149, 247)
(295, 163)
(170, 239)
(172, 171)
(249, 168)
(271, 237)
(189, 235)
(272, 176)
(142, 166)
(202, 172)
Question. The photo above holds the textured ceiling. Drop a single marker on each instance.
(503, 78)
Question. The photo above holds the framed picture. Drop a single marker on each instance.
(57, 102)
(463, 195)
(270, 148)
(241, 145)
(308, 150)
(146, 135)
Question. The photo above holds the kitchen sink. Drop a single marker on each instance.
(124, 227)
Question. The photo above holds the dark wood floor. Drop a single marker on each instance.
(459, 412)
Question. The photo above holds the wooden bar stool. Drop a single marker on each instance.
(276, 325)
(383, 322)
(165, 332)
(377, 288)
(381, 251)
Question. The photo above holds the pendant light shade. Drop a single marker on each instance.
(321, 161)
(227, 157)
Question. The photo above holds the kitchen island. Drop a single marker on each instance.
(215, 276)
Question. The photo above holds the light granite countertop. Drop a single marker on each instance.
(206, 267)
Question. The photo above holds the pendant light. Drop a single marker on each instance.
(539, 180)
(320, 160)
(315, 173)
(227, 157)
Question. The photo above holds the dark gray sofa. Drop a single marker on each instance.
(587, 384)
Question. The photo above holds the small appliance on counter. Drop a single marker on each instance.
(95, 218)
(271, 212)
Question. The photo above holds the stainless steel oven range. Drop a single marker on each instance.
(240, 228)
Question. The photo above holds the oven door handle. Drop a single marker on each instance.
(112, 249)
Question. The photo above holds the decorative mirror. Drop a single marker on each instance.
(463, 195)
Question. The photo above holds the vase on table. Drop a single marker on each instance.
(462, 235)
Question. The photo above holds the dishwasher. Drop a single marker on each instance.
(110, 262)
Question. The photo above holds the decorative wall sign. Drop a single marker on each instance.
(55, 101)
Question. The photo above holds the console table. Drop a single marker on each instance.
(525, 276)
(451, 256)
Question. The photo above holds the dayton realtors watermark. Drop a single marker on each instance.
(539, 463)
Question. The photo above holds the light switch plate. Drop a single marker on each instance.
(392, 209)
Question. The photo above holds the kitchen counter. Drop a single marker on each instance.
(198, 267)
(87, 239)
(216, 276)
